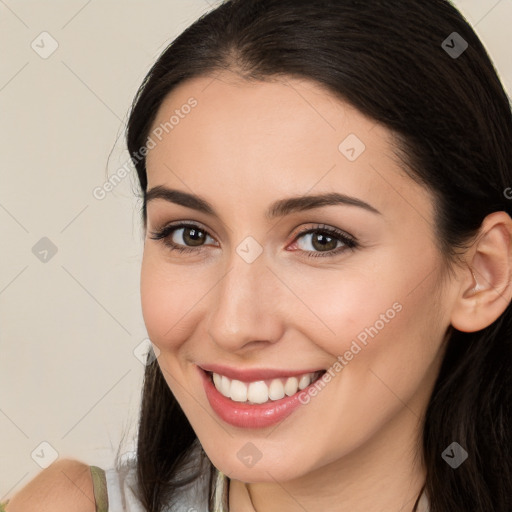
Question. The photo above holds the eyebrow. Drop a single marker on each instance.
(279, 208)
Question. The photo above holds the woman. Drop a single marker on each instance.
(327, 263)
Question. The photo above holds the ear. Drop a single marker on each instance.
(485, 287)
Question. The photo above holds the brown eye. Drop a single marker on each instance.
(182, 237)
(324, 241)
(191, 236)
(320, 242)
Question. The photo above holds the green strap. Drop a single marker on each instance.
(99, 483)
(3, 505)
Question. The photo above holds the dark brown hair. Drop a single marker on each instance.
(453, 126)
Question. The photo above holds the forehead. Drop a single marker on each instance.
(286, 137)
(284, 117)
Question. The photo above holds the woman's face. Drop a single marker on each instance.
(264, 293)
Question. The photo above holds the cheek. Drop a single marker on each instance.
(391, 319)
(348, 305)
(358, 319)
(174, 299)
(154, 299)
(166, 299)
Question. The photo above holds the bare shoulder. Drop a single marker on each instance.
(65, 486)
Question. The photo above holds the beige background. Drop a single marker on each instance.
(69, 377)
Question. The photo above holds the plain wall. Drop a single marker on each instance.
(70, 320)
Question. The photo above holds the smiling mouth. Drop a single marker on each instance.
(262, 391)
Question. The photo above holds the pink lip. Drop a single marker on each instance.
(245, 415)
(254, 374)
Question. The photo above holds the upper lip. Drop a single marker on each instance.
(254, 374)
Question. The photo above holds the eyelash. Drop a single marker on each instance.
(349, 242)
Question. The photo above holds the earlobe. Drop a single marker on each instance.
(485, 287)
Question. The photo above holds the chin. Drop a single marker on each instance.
(248, 464)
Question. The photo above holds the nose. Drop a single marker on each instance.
(248, 307)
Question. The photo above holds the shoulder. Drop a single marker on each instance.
(65, 486)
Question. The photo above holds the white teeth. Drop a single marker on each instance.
(225, 384)
(238, 391)
(291, 386)
(276, 390)
(258, 392)
(304, 381)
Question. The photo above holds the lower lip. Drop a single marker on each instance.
(244, 415)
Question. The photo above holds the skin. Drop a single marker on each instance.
(65, 486)
(356, 445)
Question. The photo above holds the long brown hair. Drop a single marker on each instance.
(453, 123)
